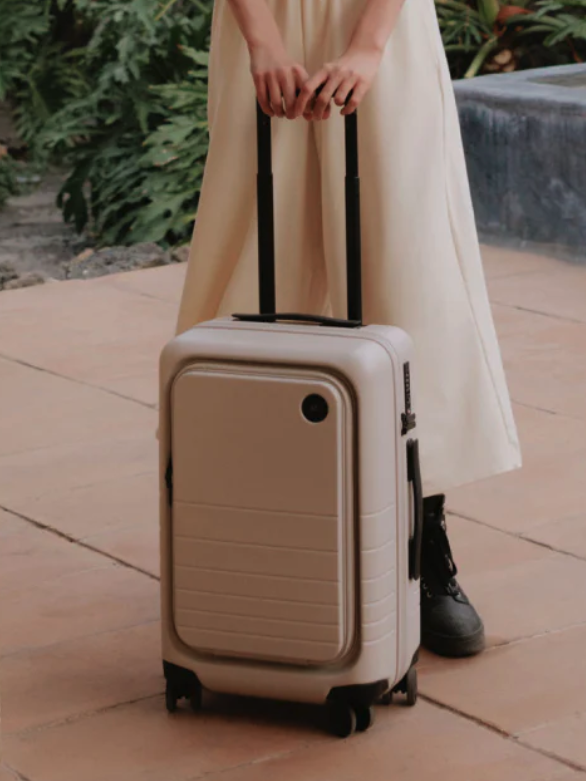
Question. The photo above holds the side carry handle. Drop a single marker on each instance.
(414, 478)
(266, 230)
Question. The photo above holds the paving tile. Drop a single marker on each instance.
(501, 262)
(564, 738)
(48, 410)
(61, 681)
(26, 478)
(567, 534)
(518, 686)
(95, 333)
(100, 507)
(559, 291)
(76, 604)
(144, 742)
(519, 588)
(33, 557)
(142, 387)
(539, 493)
(480, 549)
(11, 524)
(545, 360)
(165, 282)
(421, 743)
(548, 487)
(138, 545)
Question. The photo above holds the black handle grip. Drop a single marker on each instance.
(414, 477)
(332, 322)
(266, 221)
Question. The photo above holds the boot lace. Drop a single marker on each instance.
(441, 560)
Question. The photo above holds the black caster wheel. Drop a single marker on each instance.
(342, 719)
(195, 697)
(170, 698)
(411, 687)
(387, 698)
(364, 719)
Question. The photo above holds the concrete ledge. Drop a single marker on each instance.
(525, 140)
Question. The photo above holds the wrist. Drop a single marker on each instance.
(371, 43)
(263, 41)
(368, 48)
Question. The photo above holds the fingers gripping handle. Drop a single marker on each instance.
(266, 222)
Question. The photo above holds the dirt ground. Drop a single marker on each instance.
(37, 247)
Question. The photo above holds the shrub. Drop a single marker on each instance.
(488, 36)
(121, 101)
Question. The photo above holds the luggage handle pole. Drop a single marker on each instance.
(266, 220)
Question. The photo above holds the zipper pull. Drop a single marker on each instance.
(408, 418)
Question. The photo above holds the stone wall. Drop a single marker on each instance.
(525, 140)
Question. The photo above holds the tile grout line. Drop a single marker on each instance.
(80, 543)
(502, 733)
(527, 309)
(537, 636)
(83, 383)
(32, 649)
(552, 412)
(543, 725)
(150, 296)
(18, 776)
(516, 535)
(75, 717)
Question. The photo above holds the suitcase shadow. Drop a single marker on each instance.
(260, 712)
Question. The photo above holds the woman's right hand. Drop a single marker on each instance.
(277, 78)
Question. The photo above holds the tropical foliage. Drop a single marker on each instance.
(116, 90)
(488, 36)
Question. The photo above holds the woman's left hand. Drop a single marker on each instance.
(353, 72)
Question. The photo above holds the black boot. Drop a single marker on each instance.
(450, 626)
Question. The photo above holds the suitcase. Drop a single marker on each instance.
(291, 505)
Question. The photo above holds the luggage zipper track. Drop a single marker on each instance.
(408, 418)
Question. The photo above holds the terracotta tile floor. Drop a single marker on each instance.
(81, 684)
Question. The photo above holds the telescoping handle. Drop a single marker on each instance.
(266, 230)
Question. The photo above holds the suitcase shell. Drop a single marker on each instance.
(285, 544)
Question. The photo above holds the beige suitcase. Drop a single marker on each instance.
(291, 504)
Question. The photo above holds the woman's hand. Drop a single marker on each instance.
(353, 72)
(277, 79)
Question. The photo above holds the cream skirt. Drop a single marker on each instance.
(422, 267)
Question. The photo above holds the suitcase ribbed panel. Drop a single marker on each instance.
(261, 560)
(379, 583)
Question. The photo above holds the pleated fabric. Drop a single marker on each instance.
(422, 269)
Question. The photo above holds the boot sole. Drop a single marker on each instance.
(455, 647)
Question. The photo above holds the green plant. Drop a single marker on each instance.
(35, 72)
(136, 140)
(558, 23)
(487, 36)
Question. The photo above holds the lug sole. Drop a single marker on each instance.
(455, 647)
